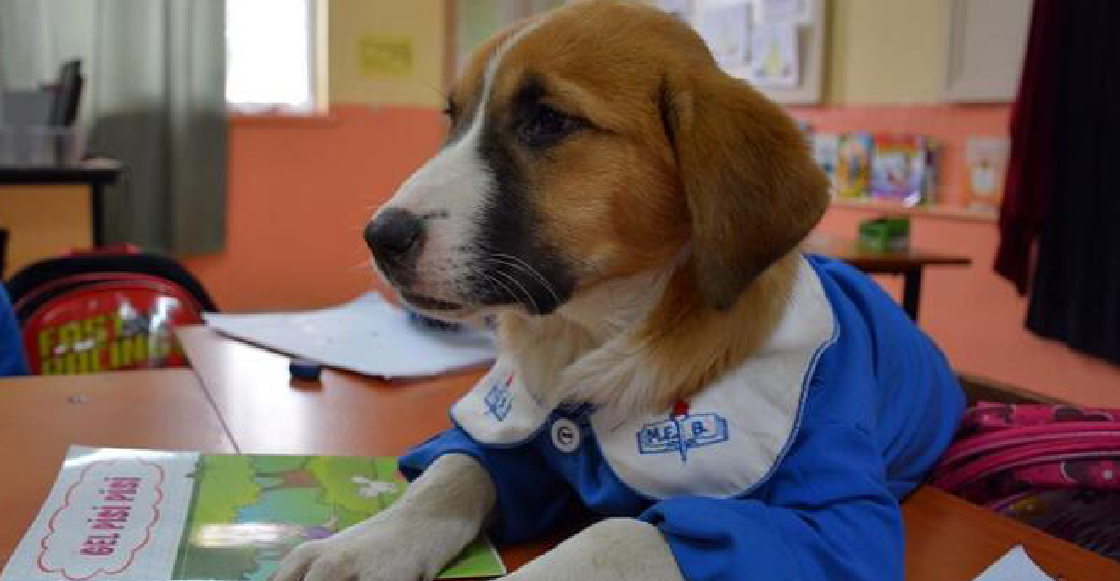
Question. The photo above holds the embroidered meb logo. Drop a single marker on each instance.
(499, 399)
(682, 432)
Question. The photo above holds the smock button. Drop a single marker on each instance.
(565, 435)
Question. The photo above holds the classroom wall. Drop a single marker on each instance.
(885, 74)
(299, 195)
(885, 51)
(974, 315)
(387, 52)
(300, 190)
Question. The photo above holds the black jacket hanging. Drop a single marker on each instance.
(1075, 295)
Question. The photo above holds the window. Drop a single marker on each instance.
(273, 56)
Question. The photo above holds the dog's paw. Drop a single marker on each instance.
(616, 549)
(370, 551)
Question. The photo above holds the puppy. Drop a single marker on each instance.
(668, 357)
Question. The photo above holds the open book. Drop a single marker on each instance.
(127, 515)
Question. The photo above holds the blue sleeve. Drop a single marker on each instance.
(12, 360)
(531, 498)
(826, 514)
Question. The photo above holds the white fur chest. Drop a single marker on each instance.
(722, 443)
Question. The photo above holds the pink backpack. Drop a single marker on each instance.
(1056, 467)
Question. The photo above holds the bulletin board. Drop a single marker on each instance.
(781, 49)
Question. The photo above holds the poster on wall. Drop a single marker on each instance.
(727, 31)
(987, 161)
(774, 60)
(796, 11)
(385, 56)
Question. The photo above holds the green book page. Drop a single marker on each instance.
(249, 511)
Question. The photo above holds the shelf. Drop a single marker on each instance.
(932, 210)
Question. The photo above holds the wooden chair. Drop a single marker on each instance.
(3, 251)
(978, 388)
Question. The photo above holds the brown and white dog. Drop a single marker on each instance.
(630, 213)
(597, 153)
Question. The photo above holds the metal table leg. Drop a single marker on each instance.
(97, 213)
(912, 291)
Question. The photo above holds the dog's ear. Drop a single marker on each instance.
(753, 191)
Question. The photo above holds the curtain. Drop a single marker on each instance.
(1028, 179)
(1075, 293)
(1067, 174)
(154, 99)
(23, 45)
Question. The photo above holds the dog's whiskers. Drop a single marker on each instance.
(506, 289)
(492, 255)
(517, 262)
(529, 302)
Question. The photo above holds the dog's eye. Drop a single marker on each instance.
(546, 127)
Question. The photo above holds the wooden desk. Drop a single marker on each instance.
(96, 173)
(344, 413)
(40, 417)
(50, 210)
(948, 539)
(909, 264)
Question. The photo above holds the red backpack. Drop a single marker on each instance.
(107, 310)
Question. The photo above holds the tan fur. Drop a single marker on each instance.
(609, 194)
(659, 352)
(679, 154)
(694, 344)
(753, 194)
(465, 93)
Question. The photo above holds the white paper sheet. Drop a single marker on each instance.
(774, 57)
(796, 11)
(727, 31)
(1016, 565)
(368, 335)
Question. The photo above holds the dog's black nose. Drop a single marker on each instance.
(393, 233)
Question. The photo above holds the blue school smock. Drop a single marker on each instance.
(790, 467)
(12, 360)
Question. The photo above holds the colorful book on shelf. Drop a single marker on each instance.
(987, 162)
(826, 152)
(139, 515)
(902, 168)
(853, 164)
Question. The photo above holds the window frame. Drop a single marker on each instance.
(317, 74)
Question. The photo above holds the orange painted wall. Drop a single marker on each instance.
(974, 316)
(300, 191)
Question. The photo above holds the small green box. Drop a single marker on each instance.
(885, 234)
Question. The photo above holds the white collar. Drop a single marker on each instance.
(732, 435)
